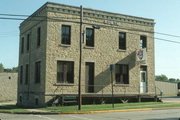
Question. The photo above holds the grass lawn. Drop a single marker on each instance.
(109, 107)
(12, 108)
(99, 107)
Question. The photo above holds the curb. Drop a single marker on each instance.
(78, 112)
(107, 111)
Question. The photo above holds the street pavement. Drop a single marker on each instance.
(169, 114)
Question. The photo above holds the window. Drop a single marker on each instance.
(27, 74)
(122, 73)
(89, 37)
(66, 35)
(143, 42)
(21, 74)
(38, 36)
(122, 40)
(22, 45)
(65, 72)
(37, 72)
(28, 39)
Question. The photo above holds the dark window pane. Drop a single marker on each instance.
(143, 42)
(37, 72)
(122, 41)
(27, 74)
(65, 72)
(21, 74)
(66, 35)
(90, 37)
(38, 36)
(22, 45)
(122, 74)
(28, 40)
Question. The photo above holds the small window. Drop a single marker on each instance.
(90, 37)
(65, 72)
(36, 101)
(122, 41)
(122, 73)
(27, 74)
(143, 42)
(21, 74)
(22, 45)
(37, 72)
(38, 36)
(66, 35)
(20, 99)
(28, 40)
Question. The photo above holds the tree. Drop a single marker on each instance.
(1, 67)
(172, 80)
(161, 77)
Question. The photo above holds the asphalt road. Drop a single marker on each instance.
(171, 114)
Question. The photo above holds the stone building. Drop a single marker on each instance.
(50, 53)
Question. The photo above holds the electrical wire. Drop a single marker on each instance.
(59, 19)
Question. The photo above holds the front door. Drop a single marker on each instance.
(90, 76)
(143, 82)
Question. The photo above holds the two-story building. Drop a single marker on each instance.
(50, 58)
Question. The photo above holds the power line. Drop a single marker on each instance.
(18, 15)
(58, 20)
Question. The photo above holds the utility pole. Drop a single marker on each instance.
(80, 59)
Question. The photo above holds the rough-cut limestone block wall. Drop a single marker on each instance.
(104, 53)
(8, 89)
(35, 54)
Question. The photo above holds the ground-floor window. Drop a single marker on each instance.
(65, 72)
(122, 73)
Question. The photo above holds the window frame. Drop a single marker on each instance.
(37, 73)
(65, 42)
(21, 75)
(22, 45)
(27, 74)
(38, 36)
(92, 38)
(120, 77)
(65, 71)
(122, 41)
(28, 42)
(143, 42)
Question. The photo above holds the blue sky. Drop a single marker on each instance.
(164, 12)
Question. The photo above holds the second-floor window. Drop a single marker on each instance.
(143, 42)
(22, 45)
(122, 73)
(89, 37)
(38, 36)
(65, 72)
(122, 40)
(66, 35)
(28, 40)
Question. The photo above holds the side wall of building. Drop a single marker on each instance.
(32, 93)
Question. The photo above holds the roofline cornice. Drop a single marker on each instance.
(98, 14)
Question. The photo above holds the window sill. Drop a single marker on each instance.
(88, 47)
(63, 84)
(64, 45)
(121, 85)
(121, 50)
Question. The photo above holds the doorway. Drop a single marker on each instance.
(90, 77)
